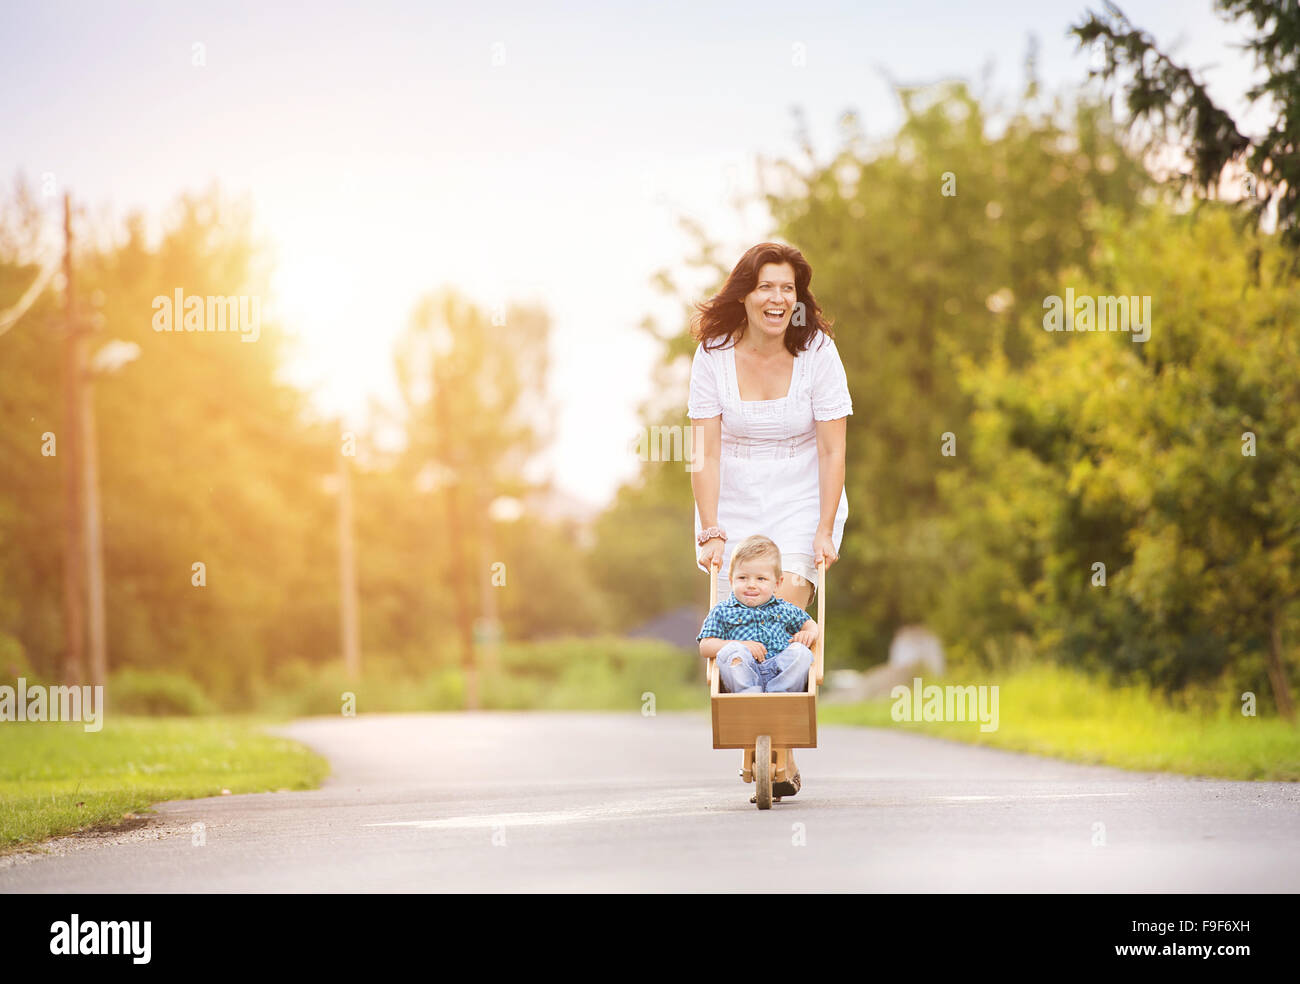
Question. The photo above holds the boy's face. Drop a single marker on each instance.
(755, 581)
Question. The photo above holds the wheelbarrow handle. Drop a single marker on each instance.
(819, 653)
(714, 567)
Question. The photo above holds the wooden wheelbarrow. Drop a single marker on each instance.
(767, 726)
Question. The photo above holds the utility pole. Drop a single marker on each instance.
(84, 625)
(489, 627)
(460, 570)
(96, 637)
(351, 633)
(456, 532)
(74, 368)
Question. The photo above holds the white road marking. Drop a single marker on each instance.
(1024, 796)
(622, 811)
(683, 808)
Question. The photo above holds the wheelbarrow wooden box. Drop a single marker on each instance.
(789, 720)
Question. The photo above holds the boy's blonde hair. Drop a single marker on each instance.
(756, 547)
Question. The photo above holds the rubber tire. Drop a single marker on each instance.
(763, 772)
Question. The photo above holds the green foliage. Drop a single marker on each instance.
(606, 672)
(1104, 450)
(644, 556)
(206, 456)
(549, 588)
(609, 673)
(13, 660)
(915, 279)
(1071, 449)
(475, 410)
(30, 484)
(302, 688)
(156, 693)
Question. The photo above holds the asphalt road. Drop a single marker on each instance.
(495, 802)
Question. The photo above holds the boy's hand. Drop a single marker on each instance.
(757, 648)
(807, 636)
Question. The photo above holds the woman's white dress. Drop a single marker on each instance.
(768, 474)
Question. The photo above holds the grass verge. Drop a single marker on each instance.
(56, 778)
(1052, 711)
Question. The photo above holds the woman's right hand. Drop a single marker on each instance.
(711, 552)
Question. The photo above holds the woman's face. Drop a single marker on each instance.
(774, 292)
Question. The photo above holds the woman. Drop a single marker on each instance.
(769, 403)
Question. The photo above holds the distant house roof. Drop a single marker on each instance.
(679, 626)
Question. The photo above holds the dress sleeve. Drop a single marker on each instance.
(830, 384)
(704, 401)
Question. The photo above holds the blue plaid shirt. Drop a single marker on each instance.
(771, 623)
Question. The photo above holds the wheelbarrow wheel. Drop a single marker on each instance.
(763, 772)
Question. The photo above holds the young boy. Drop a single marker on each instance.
(762, 643)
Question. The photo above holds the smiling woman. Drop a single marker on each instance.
(769, 401)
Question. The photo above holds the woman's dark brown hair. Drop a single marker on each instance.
(723, 315)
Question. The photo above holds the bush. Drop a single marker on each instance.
(156, 692)
(299, 688)
(605, 672)
(13, 660)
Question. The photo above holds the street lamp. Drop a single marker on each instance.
(108, 361)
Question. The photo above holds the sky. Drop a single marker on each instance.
(516, 152)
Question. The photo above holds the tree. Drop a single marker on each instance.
(31, 482)
(474, 400)
(204, 457)
(925, 251)
(925, 248)
(1173, 101)
(1171, 462)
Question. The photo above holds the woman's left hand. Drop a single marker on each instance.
(824, 547)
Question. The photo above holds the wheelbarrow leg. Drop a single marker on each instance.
(763, 772)
(747, 766)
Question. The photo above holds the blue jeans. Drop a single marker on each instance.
(783, 672)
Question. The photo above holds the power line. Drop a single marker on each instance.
(10, 318)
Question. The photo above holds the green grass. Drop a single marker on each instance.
(1051, 711)
(56, 778)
